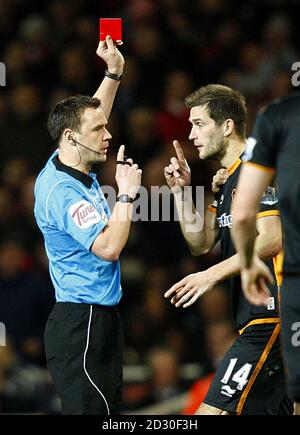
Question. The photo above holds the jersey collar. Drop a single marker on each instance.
(80, 176)
(234, 166)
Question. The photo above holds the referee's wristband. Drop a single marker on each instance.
(125, 199)
(112, 76)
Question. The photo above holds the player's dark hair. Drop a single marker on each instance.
(67, 114)
(221, 103)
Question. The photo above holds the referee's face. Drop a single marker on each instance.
(207, 136)
(94, 135)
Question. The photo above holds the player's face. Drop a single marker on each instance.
(94, 135)
(207, 136)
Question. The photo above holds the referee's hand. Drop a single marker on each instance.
(128, 175)
(113, 58)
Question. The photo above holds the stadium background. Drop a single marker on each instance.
(171, 47)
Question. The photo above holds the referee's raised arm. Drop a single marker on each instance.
(108, 51)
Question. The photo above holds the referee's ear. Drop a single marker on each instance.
(228, 128)
(67, 136)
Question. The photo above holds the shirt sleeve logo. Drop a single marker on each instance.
(269, 197)
(84, 214)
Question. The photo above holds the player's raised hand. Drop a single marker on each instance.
(178, 173)
(219, 179)
(108, 51)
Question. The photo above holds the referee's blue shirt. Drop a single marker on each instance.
(71, 211)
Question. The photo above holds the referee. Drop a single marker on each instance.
(276, 142)
(83, 336)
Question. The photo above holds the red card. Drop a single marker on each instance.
(112, 27)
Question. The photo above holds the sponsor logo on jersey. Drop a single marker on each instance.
(225, 220)
(84, 214)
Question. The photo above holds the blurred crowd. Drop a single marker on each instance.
(171, 48)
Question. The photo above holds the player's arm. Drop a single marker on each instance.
(254, 273)
(268, 243)
(114, 60)
(245, 209)
(112, 239)
(200, 232)
(255, 176)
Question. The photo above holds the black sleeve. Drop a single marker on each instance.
(264, 140)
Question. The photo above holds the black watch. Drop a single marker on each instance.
(112, 76)
(125, 198)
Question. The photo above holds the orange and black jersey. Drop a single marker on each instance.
(242, 310)
(275, 143)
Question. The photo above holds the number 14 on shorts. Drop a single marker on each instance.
(240, 377)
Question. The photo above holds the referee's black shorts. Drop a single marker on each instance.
(250, 379)
(84, 350)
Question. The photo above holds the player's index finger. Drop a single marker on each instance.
(120, 156)
(179, 150)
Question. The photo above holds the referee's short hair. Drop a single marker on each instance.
(221, 103)
(67, 113)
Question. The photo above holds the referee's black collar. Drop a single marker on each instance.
(80, 176)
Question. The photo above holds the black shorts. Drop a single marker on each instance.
(250, 378)
(84, 350)
(290, 313)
